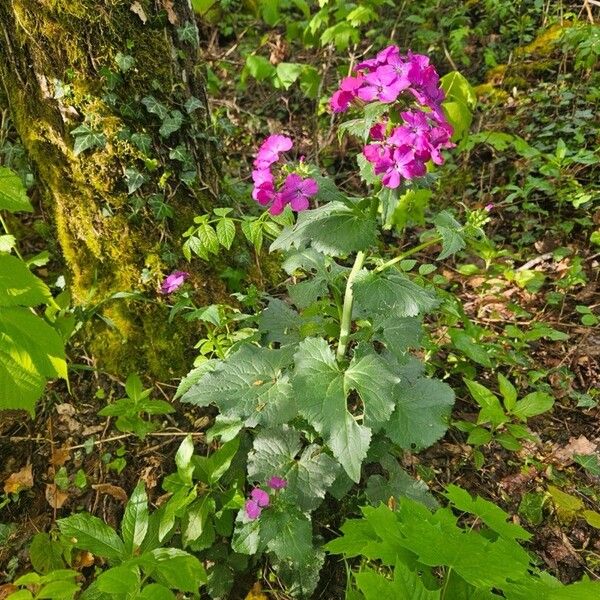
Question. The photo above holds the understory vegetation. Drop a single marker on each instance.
(354, 349)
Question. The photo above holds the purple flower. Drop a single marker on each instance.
(252, 509)
(260, 497)
(489, 207)
(270, 150)
(405, 165)
(297, 191)
(277, 483)
(349, 86)
(383, 85)
(173, 282)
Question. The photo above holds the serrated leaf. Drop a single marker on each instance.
(376, 385)
(280, 323)
(590, 462)
(309, 473)
(19, 286)
(45, 553)
(287, 73)
(13, 195)
(251, 384)
(30, 352)
(422, 412)
(259, 67)
(406, 584)
(390, 294)
(226, 232)
(134, 525)
(399, 334)
(334, 229)
(90, 533)
(320, 383)
(288, 534)
(208, 238)
(493, 516)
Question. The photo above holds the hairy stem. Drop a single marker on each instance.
(346, 323)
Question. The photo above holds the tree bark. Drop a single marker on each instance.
(128, 72)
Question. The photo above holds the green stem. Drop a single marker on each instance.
(3, 223)
(408, 253)
(346, 322)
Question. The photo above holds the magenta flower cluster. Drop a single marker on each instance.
(173, 282)
(259, 499)
(295, 190)
(399, 150)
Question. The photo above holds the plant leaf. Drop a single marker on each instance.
(90, 533)
(13, 195)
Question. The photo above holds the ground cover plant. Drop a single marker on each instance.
(299, 300)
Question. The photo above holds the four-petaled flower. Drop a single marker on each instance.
(173, 282)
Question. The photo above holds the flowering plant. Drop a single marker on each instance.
(333, 385)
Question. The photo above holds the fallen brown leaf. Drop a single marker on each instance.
(55, 497)
(580, 445)
(6, 590)
(112, 490)
(83, 559)
(21, 480)
(60, 456)
(171, 14)
(137, 9)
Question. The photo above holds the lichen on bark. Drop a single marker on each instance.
(64, 63)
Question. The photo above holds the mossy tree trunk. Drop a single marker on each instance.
(109, 101)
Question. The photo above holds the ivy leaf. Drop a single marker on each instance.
(155, 107)
(422, 411)
(334, 229)
(91, 534)
(135, 180)
(192, 104)
(251, 385)
(86, 138)
(13, 195)
(171, 123)
(308, 473)
(390, 294)
(320, 383)
(134, 525)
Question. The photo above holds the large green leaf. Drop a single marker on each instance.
(90, 533)
(390, 294)
(19, 286)
(422, 411)
(309, 473)
(406, 584)
(13, 196)
(319, 382)
(335, 229)
(30, 352)
(174, 568)
(134, 525)
(251, 385)
(120, 582)
(287, 533)
(376, 385)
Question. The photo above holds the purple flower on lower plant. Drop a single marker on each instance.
(173, 282)
(259, 499)
(277, 483)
